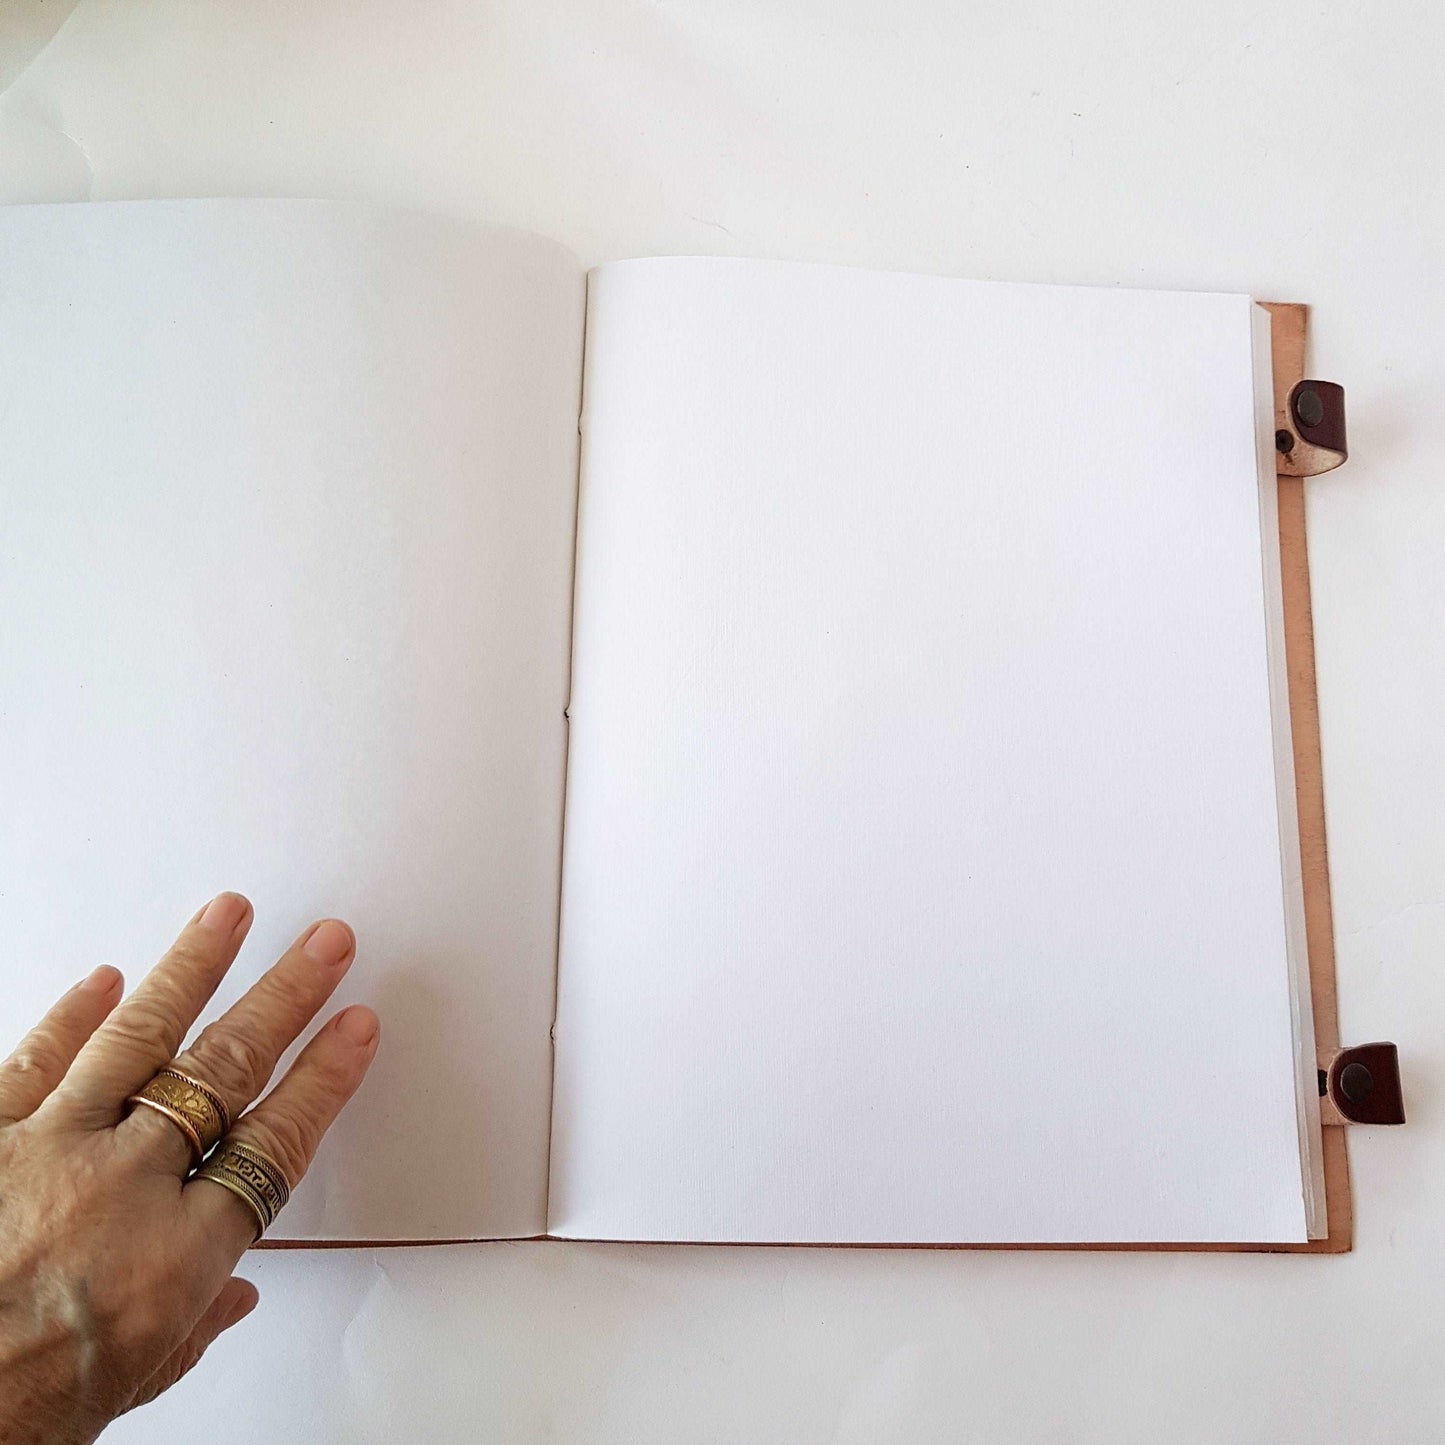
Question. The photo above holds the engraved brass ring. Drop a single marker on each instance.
(253, 1177)
(195, 1108)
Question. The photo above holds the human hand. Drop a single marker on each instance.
(115, 1268)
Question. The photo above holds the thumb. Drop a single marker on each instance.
(237, 1298)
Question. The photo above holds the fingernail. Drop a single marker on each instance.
(330, 942)
(224, 912)
(358, 1026)
(102, 980)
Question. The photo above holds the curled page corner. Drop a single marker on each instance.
(40, 160)
(26, 28)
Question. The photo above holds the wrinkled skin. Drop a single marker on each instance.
(116, 1273)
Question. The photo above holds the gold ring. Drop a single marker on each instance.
(251, 1176)
(196, 1109)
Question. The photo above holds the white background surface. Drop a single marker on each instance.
(1290, 150)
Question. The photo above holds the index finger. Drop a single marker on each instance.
(145, 1031)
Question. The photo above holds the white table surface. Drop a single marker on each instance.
(1291, 150)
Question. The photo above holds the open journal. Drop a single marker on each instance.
(818, 771)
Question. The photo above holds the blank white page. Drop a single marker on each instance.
(923, 873)
(286, 522)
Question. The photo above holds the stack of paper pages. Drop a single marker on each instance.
(818, 772)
